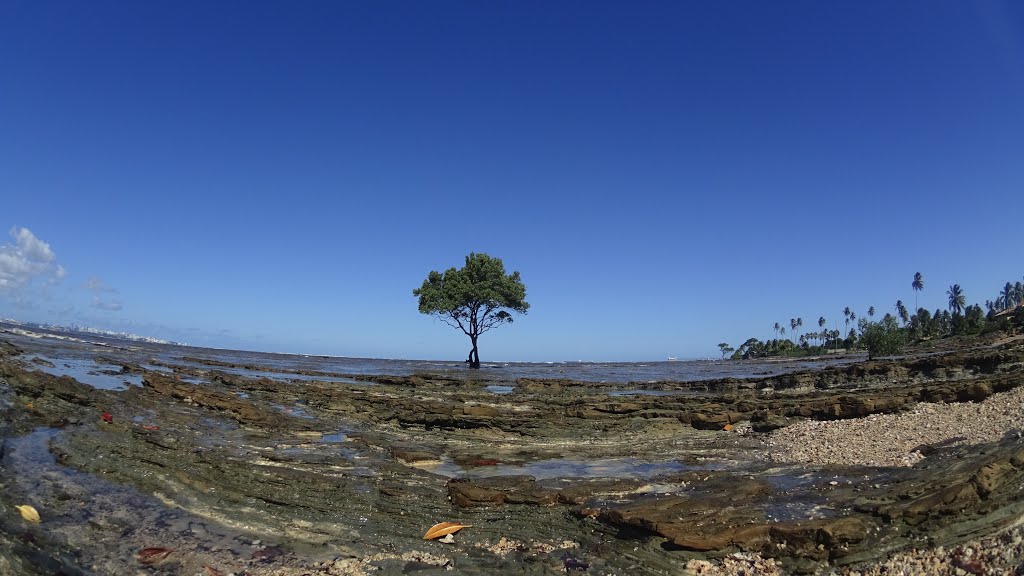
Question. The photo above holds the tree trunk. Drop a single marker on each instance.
(474, 356)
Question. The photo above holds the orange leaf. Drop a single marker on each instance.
(153, 555)
(29, 513)
(443, 529)
(211, 571)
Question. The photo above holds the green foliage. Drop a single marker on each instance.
(917, 285)
(903, 313)
(1005, 314)
(754, 348)
(883, 338)
(957, 300)
(474, 299)
(1016, 319)
(974, 319)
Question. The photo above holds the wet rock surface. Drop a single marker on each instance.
(343, 473)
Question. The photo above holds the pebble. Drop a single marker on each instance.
(890, 439)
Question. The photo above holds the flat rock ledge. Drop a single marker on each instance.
(278, 478)
(805, 518)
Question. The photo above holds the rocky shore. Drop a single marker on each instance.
(202, 466)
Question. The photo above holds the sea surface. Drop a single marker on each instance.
(68, 354)
(610, 372)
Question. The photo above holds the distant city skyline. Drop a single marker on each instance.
(21, 324)
(665, 177)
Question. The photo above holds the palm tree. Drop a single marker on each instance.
(871, 311)
(777, 329)
(1007, 295)
(957, 300)
(901, 310)
(846, 314)
(792, 328)
(917, 285)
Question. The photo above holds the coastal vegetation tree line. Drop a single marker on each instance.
(889, 334)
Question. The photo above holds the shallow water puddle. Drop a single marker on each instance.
(812, 487)
(91, 514)
(284, 376)
(787, 511)
(331, 455)
(499, 389)
(790, 481)
(560, 468)
(89, 372)
(155, 368)
(297, 410)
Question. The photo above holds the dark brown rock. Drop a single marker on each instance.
(494, 491)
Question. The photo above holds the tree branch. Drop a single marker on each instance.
(453, 314)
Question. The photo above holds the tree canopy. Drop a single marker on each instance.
(474, 298)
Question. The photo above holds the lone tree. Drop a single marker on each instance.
(473, 299)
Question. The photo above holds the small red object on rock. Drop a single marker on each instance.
(106, 417)
(149, 556)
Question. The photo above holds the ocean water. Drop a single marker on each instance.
(341, 369)
(272, 365)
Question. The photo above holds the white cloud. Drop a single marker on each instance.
(104, 296)
(96, 284)
(31, 246)
(113, 306)
(27, 259)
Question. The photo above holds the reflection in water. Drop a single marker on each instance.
(90, 372)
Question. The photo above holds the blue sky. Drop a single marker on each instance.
(664, 175)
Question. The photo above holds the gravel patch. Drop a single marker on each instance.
(890, 439)
(1001, 554)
